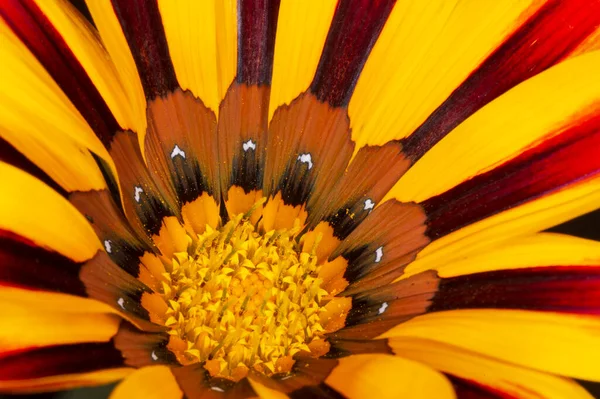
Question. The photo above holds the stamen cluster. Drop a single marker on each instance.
(242, 300)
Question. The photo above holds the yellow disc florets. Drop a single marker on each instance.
(240, 299)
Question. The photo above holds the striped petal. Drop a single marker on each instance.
(61, 367)
(83, 41)
(556, 343)
(539, 250)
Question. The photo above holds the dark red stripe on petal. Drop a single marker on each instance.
(143, 29)
(12, 156)
(59, 360)
(354, 30)
(257, 22)
(24, 264)
(466, 389)
(35, 30)
(572, 289)
(566, 158)
(547, 37)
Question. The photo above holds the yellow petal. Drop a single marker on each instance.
(562, 344)
(298, 45)
(426, 49)
(538, 250)
(153, 382)
(530, 112)
(385, 376)
(521, 221)
(512, 380)
(36, 318)
(33, 210)
(202, 38)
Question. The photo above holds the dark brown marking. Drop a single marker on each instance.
(144, 209)
(399, 229)
(243, 116)
(140, 349)
(371, 174)
(307, 126)
(179, 119)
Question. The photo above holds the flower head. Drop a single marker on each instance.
(299, 198)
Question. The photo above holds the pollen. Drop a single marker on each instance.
(240, 300)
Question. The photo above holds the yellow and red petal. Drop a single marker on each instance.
(549, 36)
(52, 134)
(61, 367)
(48, 339)
(561, 102)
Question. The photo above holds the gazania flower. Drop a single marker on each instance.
(299, 198)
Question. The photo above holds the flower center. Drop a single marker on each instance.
(242, 300)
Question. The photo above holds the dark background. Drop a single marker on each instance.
(587, 226)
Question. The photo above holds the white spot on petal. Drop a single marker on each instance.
(249, 145)
(136, 195)
(378, 254)
(153, 355)
(383, 307)
(217, 389)
(108, 246)
(369, 205)
(121, 303)
(177, 151)
(307, 159)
